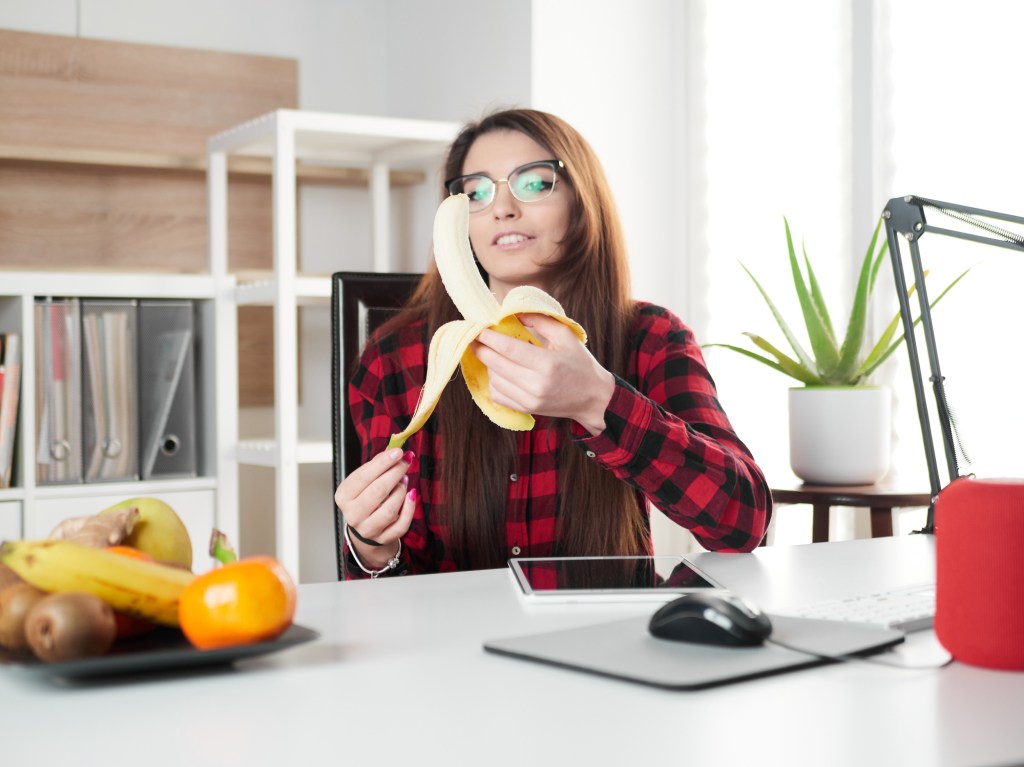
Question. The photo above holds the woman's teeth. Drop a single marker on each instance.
(511, 239)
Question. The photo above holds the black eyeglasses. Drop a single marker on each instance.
(527, 183)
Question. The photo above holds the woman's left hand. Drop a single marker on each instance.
(560, 379)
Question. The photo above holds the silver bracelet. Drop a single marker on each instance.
(392, 563)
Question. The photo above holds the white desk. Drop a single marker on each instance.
(400, 678)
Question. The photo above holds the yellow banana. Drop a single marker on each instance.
(450, 345)
(145, 589)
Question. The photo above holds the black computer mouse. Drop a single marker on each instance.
(718, 619)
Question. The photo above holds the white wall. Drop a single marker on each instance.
(618, 79)
(453, 59)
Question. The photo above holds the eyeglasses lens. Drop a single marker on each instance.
(479, 190)
(532, 183)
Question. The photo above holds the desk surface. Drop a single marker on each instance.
(400, 677)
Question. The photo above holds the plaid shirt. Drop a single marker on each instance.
(666, 435)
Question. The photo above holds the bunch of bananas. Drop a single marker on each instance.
(135, 587)
(96, 579)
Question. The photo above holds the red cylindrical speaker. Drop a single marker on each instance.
(979, 584)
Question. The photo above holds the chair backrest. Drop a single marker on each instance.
(360, 302)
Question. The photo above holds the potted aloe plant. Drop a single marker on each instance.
(840, 425)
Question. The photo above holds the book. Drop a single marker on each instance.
(9, 397)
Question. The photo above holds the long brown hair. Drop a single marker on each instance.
(597, 513)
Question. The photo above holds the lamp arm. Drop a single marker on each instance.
(906, 216)
(892, 222)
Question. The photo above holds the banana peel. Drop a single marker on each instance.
(451, 345)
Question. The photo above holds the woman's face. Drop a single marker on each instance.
(514, 239)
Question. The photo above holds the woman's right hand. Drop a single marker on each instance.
(376, 502)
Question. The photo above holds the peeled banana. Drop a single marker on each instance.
(450, 345)
(145, 589)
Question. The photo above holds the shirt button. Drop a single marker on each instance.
(515, 551)
(591, 454)
(514, 477)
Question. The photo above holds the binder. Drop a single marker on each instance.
(110, 426)
(10, 375)
(167, 398)
(58, 391)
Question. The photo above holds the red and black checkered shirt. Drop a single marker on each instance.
(666, 435)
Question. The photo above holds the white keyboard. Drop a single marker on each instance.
(909, 608)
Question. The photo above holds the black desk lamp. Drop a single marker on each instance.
(906, 216)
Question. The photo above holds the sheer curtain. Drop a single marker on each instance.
(778, 144)
(821, 112)
(955, 137)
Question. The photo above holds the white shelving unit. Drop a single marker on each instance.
(377, 144)
(211, 499)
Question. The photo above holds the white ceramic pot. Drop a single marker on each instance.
(840, 435)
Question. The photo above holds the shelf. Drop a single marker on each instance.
(307, 289)
(99, 284)
(336, 138)
(250, 166)
(203, 501)
(265, 452)
(287, 139)
(128, 489)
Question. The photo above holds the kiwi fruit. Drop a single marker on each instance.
(69, 626)
(15, 603)
(8, 577)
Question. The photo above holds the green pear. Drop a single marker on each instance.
(159, 531)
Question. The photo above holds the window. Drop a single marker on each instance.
(817, 109)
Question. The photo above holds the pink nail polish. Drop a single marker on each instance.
(409, 456)
(413, 495)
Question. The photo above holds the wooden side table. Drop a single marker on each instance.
(881, 498)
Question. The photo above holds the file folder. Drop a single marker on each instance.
(167, 403)
(58, 391)
(110, 426)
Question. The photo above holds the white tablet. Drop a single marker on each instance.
(607, 579)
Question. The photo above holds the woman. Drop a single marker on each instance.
(629, 419)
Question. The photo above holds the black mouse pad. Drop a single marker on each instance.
(625, 650)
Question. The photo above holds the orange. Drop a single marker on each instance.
(131, 551)
(130, 625)
(249, 600)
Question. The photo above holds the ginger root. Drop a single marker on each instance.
(8, 577)
(98, 530)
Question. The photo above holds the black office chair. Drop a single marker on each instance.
(360, 302)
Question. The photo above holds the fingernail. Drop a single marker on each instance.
(409, 456)
(405, 480)
(413, 495)
(395, 453)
